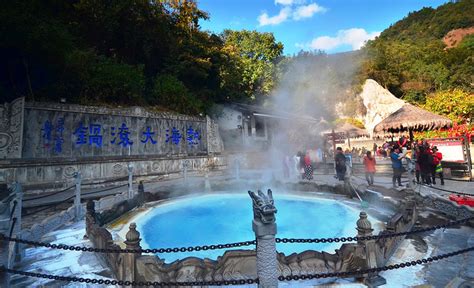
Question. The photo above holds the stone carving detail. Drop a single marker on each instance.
(214, 140)
(155, 166)
(11, 128)
(117, 168)
(5, 140)
(69, 172)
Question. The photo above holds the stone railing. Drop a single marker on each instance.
(49, 224)
(242, 264)
(122, 264)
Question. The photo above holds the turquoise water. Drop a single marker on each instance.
(227, 218)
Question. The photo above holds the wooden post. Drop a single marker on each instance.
(410, 131)
(468, 156)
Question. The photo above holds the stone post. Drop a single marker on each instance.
(364, 229)
(207, 183)
(141, 193)
(185, 170)
(77, 199)
(129, 259)
(90, 217)
(20, 248)
(141, 188)
(265, 229)
(130, 181)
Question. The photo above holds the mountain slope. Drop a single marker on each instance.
(410, 58)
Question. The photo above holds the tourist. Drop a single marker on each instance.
(340, 160)
(369, 163)
(425, 160)
(308, 168)
(379, 152)
(397, 166)
(437, 169)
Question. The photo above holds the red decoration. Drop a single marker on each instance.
(462, 200)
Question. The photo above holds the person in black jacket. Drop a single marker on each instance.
(425, 160)
(340, 160)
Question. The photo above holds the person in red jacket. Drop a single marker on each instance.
(437, 169)
(369, 163)
(308, 168)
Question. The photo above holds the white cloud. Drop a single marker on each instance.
(264, 19)
(292, 9)
(307, 11)
(289, 2)
(355, 37)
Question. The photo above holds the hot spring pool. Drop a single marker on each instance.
(227, 218)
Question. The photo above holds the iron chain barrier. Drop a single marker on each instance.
(49, 207)
(241, 281)
(103, 250)
(130, 283)
(70, 187)
(373, 270)
(52, 194)
(55, 204)
(373, 237)
(105, 189)
(445, 190)
(233, 245)
(118, 179)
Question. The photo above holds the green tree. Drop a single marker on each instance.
(170, 92)
(259, 53)
(409, 58)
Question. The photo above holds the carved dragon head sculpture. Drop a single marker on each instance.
(263, 206)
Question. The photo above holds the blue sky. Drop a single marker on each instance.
(329, 25)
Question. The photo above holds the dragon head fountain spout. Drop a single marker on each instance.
(263, 207)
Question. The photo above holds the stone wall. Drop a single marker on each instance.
(65, 131)
(48, 142)
(11, 129)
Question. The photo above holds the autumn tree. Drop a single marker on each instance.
(456, 104)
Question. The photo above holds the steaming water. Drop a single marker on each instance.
(227, 218)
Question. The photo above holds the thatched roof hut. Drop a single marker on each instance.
(411, 118)
(349, 130)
